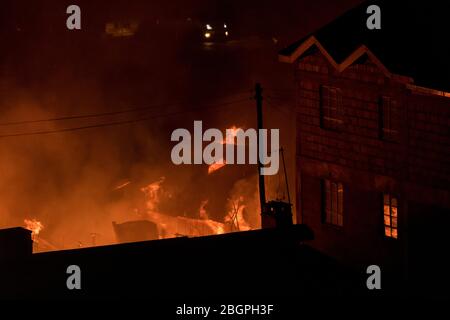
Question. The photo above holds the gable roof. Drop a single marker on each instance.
(413, 41)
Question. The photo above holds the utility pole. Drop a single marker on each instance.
(262, 188)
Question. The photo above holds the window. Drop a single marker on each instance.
(390, 210)
(388, 119)
(331, 108)
(333, 196)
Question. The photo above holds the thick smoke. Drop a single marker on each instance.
(69, 181)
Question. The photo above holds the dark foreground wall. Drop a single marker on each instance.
(261, 263)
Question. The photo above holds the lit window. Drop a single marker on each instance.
(333, 196)
(388, 119)
(390, 211)
(331, 107)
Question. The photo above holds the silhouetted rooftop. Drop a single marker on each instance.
(413, 40)
(274, 262)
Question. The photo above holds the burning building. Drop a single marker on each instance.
(86, 155)
(76, 184)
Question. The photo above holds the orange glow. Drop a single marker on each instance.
(229, 139)
(34, 226)
(216, 166)
(394, 233)
(235, 216)
(175, 226)
(151, 193)
(122, 185)
(231, 135)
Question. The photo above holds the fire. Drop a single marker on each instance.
(231, 135)
(229, 139)
(34, 226)
(170, 226)
(235, 216)
(174, 226)
(152, 192)
(216, 166)
(202, 211)
(122, 185)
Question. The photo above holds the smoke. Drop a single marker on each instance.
(68, 181)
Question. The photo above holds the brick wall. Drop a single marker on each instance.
(429, 140)
(414, 166)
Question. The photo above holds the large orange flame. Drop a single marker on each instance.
(229, 139)
(175, 226)
(34, 226)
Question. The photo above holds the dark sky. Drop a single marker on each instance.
(37, 47)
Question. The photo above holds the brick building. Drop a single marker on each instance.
(373, 143)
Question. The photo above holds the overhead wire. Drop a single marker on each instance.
(124, 122)
(103, 114)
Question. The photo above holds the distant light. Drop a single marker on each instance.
(225, 26)
(207, 35)
(226, 33)
(208, 27)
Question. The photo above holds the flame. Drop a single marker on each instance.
(216, 166)
(34, 226)
(231, 135)
(175, 226)
(235, 216)
(229, 139)
(202, 211)
(170, 227)
(152, 193)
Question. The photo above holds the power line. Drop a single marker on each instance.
(93, 115)
(109, 124)
(103, 114)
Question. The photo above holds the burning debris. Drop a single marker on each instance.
(122, 185)
(170, 227)
(152, 194)
(192, 225)
(244, 151)
(39, 244)
(235, 217)
(230, 139)
(216, 166)
(34, 226)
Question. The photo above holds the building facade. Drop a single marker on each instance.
(373, 164)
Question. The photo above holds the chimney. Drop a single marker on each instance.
(15, 243)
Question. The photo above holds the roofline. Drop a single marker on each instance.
(427, 91)
(308, 43)
(340, 67)
(355, 55)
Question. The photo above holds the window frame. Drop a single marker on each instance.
(331, 108)
(389, 122)
(391, 216)
(333, 203)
